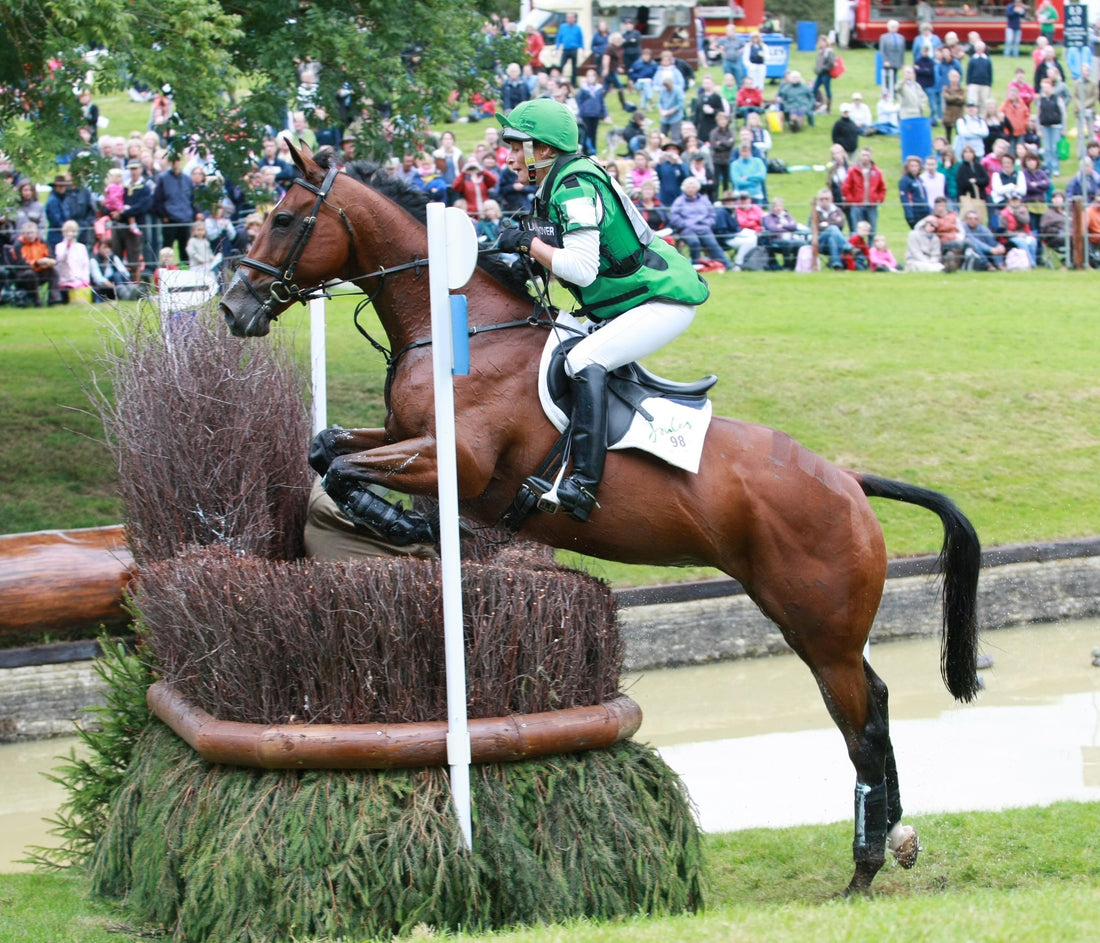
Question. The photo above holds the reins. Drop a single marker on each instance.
(284, 290)
(540, 317)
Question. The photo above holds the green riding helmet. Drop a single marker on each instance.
(542, 120)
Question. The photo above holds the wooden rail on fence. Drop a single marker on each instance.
(56, 580)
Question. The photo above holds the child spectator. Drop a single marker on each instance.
(73, 266)
(167, 259)
(34, 265)
(199, 253)
(488, 225)
(880, 256)
(110, 278)
(114, 197)
(860, 241)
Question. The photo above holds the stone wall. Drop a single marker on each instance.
(696, 631)
(45, 700)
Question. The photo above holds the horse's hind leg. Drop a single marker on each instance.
(854, 702)
(902, 839)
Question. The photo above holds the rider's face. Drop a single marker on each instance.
(515, 156)
(519, 165)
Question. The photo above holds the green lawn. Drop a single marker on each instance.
(973, 384)
(1027, 876)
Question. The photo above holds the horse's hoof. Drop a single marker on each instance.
(904, 845)
(860, 883)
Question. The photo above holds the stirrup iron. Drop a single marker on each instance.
(548, 502)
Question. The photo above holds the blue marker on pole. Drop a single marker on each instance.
(460, 337)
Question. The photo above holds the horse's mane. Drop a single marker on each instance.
(370, 174)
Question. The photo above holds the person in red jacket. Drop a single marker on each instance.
(749, 98)
(474, 185)
(863, 190)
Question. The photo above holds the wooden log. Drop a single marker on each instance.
(54, 580)
(390, 746)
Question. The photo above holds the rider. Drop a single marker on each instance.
(638, 291)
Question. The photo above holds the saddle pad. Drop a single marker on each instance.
(673, 431)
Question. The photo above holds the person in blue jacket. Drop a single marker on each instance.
(570, 41)
(671, 172)
(911, 192)
(748, 173)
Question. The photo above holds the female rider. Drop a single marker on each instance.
(637, 290)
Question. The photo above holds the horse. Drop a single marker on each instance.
(797, 531)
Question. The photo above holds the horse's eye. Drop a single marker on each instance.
(283, 220)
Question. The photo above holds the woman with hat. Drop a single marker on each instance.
(671, 171)
(636, 288)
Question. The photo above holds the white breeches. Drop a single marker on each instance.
(631, 336)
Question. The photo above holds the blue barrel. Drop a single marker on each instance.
(777, 54)
(916, 137)
(806, 34)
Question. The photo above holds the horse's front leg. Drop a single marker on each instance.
(329, 444)
(408, 465)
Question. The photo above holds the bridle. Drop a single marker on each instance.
(284, 289)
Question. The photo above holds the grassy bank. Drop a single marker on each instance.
(1021, 875)
(981, 386)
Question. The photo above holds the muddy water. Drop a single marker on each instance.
(755, 747)
(26, 796)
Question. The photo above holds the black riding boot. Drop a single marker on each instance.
(577, 492)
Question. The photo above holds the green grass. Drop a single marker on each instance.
(972, 384)
(1021, 875)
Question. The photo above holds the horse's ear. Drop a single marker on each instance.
(303, 158)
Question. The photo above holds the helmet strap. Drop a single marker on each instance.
(532, 164)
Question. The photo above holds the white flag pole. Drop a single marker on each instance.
(319, 380)
(452, 254)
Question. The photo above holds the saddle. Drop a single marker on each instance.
(630, 387)
(662, 417)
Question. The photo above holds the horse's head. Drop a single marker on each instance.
(305, 241)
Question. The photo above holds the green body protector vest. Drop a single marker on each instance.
(635, 266)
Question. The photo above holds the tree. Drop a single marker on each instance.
(233, 65)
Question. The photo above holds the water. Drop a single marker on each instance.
(27, 797)
(755, 747)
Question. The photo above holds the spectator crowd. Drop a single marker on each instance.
(695, 151)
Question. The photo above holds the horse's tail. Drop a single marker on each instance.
(960, 562)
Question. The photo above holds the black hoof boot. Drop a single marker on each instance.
(323, 450)
(379, 517)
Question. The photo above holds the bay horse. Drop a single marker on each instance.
(795, 530)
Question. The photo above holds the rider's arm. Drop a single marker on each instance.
(577, 262)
